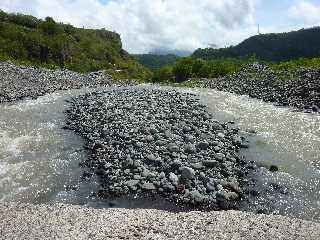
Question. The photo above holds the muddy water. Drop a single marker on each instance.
(285, 138)
(39, 161)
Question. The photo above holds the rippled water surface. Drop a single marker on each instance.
(288, 139)
(39, 160)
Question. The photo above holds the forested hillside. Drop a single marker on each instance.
(29, 40)
(270, 47)
(155, 61)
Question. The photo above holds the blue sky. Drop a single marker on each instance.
(145, 25)
(272, 12)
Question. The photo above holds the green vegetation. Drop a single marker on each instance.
(130, 70)
(281, 52)
(28, 40)
(297, 63)
(164, 74)
(189, 67)
(195, 69)
(270, 47)
(192, 68)
(154, 61)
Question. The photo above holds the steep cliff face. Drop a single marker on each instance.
(47, 43)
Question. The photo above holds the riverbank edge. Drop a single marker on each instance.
(297, 89)
(59, 221)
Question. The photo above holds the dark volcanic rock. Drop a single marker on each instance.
(165, 143)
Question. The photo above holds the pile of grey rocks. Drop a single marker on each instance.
(297, 88)
(146, 141)
(19, 82)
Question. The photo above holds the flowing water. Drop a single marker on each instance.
(285, 138)
(39, 161)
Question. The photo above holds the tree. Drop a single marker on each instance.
(50, 27)
(183, 70)
(197, 66)
(163, 74)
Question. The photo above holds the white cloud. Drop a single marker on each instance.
(150, 24)
(305, 11)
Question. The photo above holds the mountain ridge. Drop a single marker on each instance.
(303, 43)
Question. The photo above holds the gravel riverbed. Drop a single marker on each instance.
(19, 82)
(299, 89)
(146, 141)
(156, 143)
(26, 221)
(143, 141)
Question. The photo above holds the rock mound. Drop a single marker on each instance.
(147, 141)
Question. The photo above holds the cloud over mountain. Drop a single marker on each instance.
(307, 11)
(145, 25)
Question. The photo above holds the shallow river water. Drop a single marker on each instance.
(285, 138)
(39, 161)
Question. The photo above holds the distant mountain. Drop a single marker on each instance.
(155, 61)
(270, 47)
(177, 52)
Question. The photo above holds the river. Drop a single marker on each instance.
(39, 161)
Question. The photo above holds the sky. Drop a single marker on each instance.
(146, 25)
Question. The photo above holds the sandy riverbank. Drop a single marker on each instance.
(26, 221)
